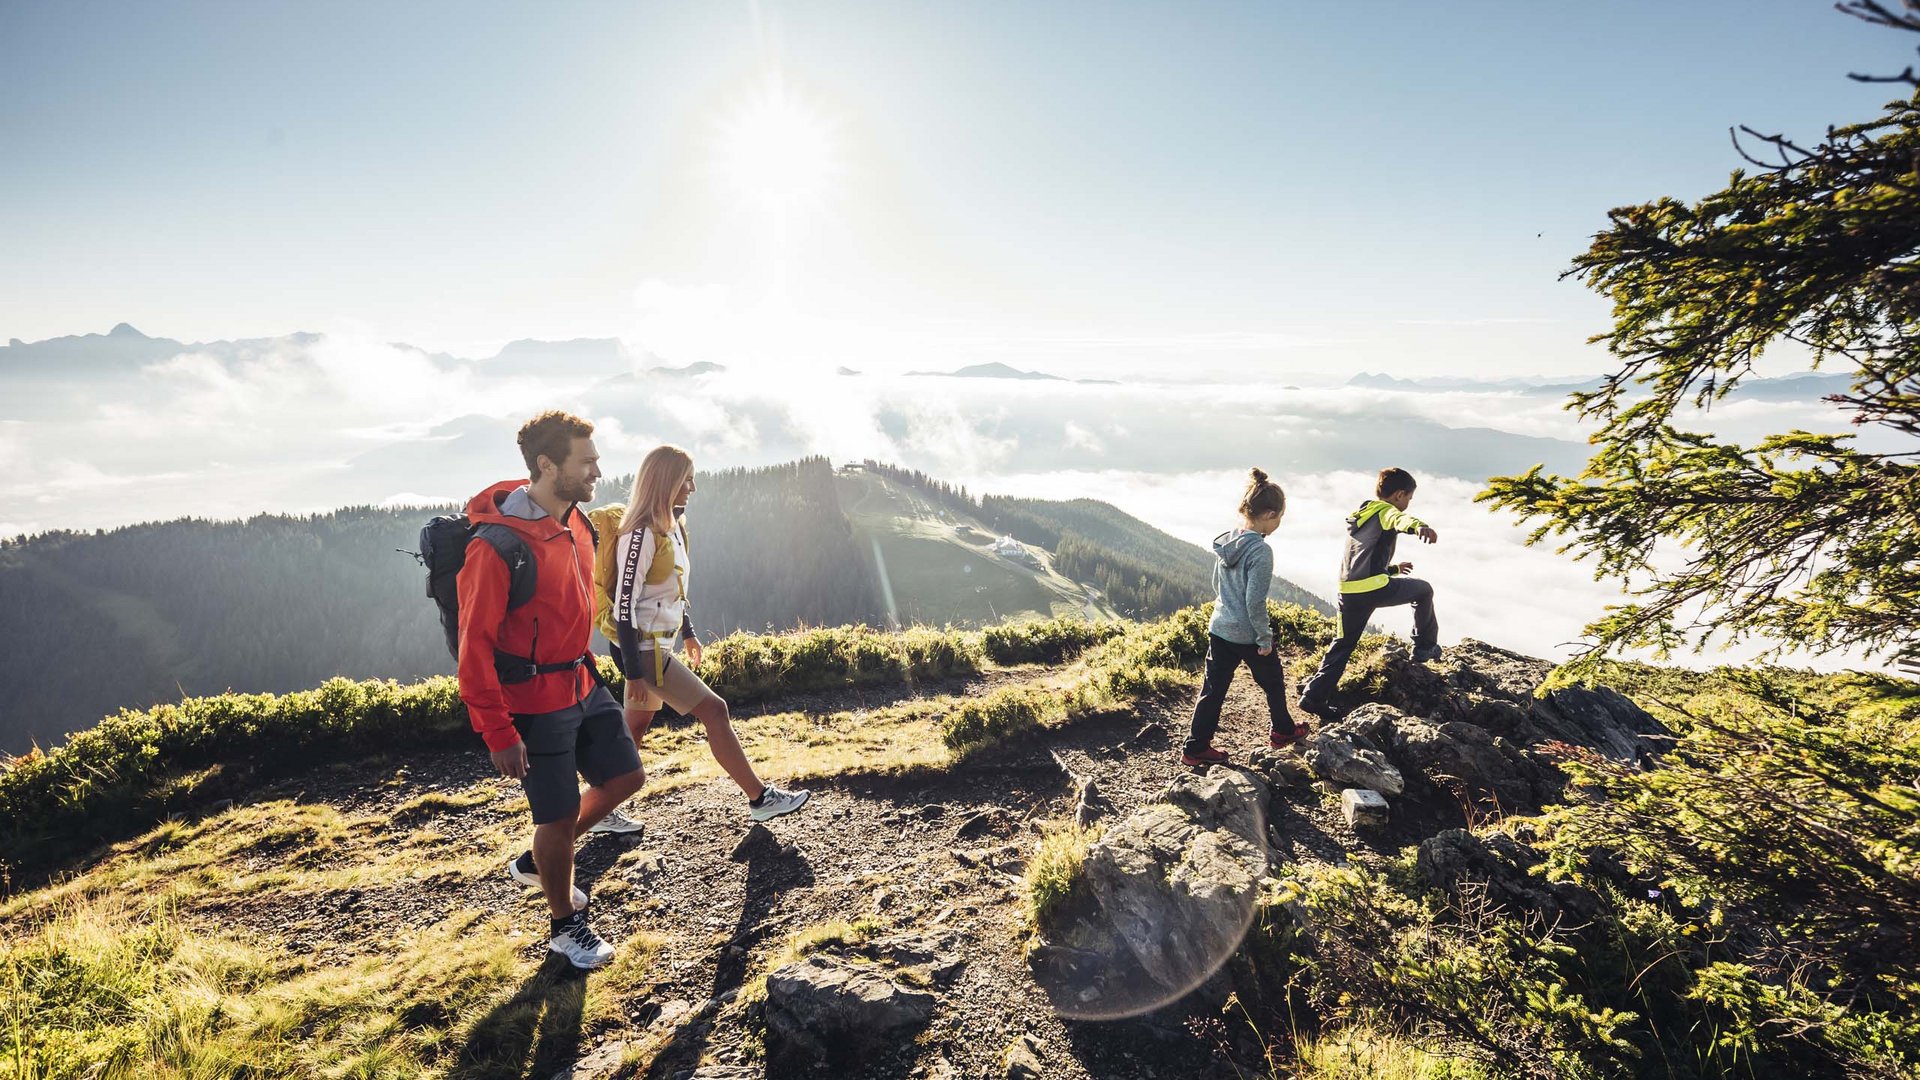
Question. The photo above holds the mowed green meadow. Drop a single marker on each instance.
(938, 566)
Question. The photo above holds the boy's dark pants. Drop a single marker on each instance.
(1355, 610)
(1223, 659)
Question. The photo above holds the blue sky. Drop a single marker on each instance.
(1082, 187)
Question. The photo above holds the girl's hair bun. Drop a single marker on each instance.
(1258, 476)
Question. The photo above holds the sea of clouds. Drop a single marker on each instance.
(316, 422)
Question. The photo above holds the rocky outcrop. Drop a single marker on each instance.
(1176, 879)
(1496, 867)
(1348, 752)
(1494, 689)
(1173, 887)
(851, 1002)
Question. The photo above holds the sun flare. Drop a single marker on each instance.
(776, 151)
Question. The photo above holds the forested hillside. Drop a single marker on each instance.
(95, 622)
(1144, 572)
(772, 550)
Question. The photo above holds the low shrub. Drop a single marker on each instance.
(1045, 641)
(1053, 883)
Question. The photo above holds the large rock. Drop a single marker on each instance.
(1603, 719)
(1492, 688)
(1494, 867)
(1349, 753)
(1472, 763)
(1175, 881)
(835, 1007)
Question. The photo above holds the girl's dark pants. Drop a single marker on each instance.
(1223, 659)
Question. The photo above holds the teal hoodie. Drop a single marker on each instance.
(1242, 574)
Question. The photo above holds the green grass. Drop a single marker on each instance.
(939, 565)
(133, 969)
(1360, 1052)
(1053, 882)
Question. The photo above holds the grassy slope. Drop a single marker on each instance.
(154, 960)
(941, 567)
(157, 960)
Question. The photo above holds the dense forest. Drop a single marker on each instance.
(771, 550)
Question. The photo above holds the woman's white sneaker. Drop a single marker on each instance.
(520, 868)
(776, 801)
(574, 939)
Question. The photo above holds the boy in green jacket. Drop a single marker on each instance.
(1371, 580)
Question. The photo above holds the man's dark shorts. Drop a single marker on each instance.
(589, 738)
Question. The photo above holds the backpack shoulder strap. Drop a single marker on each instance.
(522, 576)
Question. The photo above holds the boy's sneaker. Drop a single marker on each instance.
(1321, 709)
(574, 939)
(520, 868)
(616, 822)
(1208, 756)
(1431, 652)
(776, 801)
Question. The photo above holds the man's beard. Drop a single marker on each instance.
(573, 491)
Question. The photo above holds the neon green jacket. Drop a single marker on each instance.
(1371, 533)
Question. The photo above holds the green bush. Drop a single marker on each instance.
(986, 721)
(1749, 903)
(1045, 641)
(753, 667)
(1463, 974)
(136, 765)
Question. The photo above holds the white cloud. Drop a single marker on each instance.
(1081, 438)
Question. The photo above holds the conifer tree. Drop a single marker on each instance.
(1802, 537)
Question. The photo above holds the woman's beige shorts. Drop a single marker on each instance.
(683, 689)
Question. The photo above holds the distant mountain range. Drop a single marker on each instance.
(1803, 387)
(997, 370)
(125, 348)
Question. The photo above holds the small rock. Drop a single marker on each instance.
(756, 835)
(1363, 807)
(1021, 1059)
(1152, 734)
(985, 821)
(603, 1061)
(830, 1007)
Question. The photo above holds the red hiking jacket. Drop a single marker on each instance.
(560, 613)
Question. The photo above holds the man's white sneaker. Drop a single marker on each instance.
(520, 868)
(616, 822)
(575, 940)
(775, 801)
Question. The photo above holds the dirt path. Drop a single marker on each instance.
(928, 852)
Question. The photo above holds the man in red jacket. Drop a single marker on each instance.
(526, 674)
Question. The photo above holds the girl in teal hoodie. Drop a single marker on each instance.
(1240, 632)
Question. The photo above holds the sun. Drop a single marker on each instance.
(775, 151)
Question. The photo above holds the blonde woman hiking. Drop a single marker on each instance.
(643, 588)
